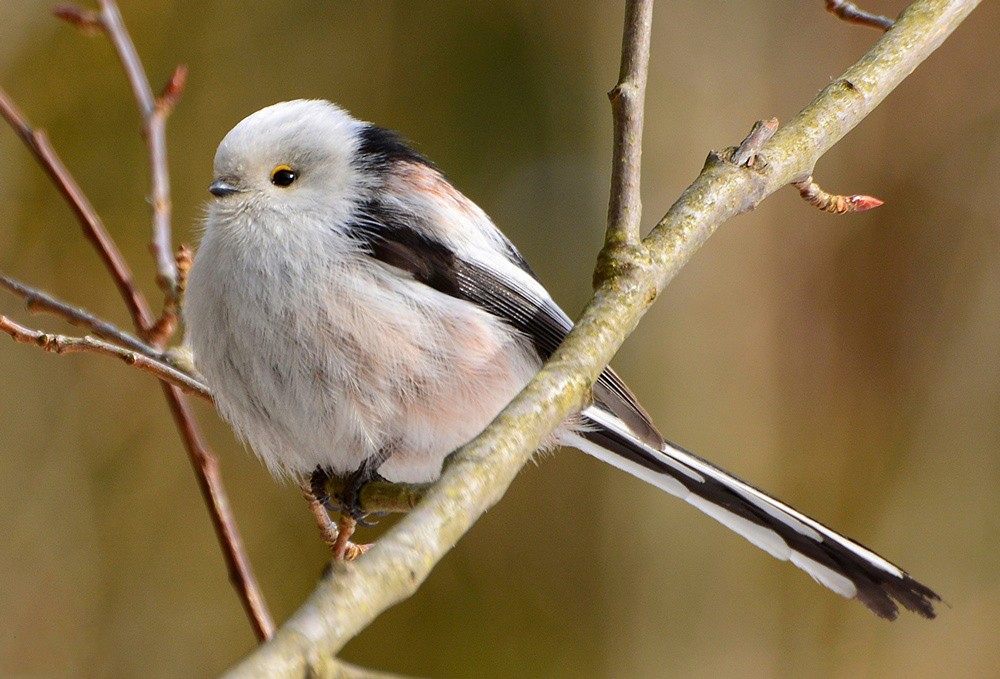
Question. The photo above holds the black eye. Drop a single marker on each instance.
(283, 176)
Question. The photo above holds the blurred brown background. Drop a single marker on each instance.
(849, 365)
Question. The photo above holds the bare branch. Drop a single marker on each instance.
(852, 14)
(154, 116)
(627, 99)
(37, 301)
(38, 143)
(126, 347)
(206, 467)
(110, 19)
(477, 475)
(205, 464)
(61, 344)
(154, 112)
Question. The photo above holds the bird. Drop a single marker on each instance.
(356, 315)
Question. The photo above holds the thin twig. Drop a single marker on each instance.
(154, 112)
(627, 99)
(852, 14)
(37, 301)
(154, 119)
(38, 143)
(206, 467)
(480, 472)
(205, 464)
(831, 202)
(61, 344)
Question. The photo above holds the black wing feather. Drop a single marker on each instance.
(390, 239)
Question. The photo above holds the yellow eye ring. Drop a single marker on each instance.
(283, 176)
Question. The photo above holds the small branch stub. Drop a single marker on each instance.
(745, 155)
(832, 203)
(172, 91)
(84, 19)
(852, 14)
(377, 497)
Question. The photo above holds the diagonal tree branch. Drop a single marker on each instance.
(61, 344)
(93, 228)
(477, 476)
(36, 300)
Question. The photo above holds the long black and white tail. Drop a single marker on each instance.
(848, 568)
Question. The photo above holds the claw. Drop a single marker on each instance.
(317, 482)
(350, 496)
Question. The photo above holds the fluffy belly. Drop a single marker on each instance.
(388, 367)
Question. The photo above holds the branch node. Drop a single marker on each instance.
(616, 259)
(833, 203)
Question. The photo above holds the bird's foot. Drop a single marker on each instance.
(350, 495)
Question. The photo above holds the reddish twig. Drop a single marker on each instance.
(210, 482)
(185, 259)
(833, 203)
(61, 344)
(851, 13)
(154, 111)
(37, 301)
(38, 143)
(124, 345)
(86, 20)
(204, 463)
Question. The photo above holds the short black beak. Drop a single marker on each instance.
(222, 187)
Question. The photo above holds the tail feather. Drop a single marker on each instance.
(835, 561)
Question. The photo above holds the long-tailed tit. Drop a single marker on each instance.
(356, 314)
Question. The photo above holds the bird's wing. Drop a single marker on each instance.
(505, 287)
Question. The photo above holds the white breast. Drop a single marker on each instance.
(320, 355)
